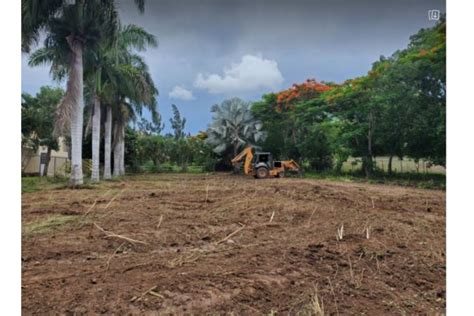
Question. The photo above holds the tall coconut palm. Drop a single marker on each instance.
(71, 27)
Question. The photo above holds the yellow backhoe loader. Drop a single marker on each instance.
(261, 164)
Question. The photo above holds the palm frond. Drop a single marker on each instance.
(133, 36)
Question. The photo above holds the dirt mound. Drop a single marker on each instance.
(177, 244)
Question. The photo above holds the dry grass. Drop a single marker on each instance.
(48, 224)
(316, 306)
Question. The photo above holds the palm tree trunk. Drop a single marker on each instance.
(117, 151)
(108, 144)
(95, 177)
(76, 86)
(122, 150)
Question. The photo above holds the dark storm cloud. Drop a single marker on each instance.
(327, 40)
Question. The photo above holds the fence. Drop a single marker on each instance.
(58, 166)
(398, 165)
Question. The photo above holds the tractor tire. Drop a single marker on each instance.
(281, 174)
(262, 173)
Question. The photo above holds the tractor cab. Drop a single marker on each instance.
(263, 159)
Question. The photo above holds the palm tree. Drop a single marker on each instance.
(109, 66)
(233, 127)
(71, 27)
(136, 91)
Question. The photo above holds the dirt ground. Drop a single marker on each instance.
(222, 244)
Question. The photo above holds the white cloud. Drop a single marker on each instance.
(251, 74)
(181, 93)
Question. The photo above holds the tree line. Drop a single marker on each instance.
(397, 109)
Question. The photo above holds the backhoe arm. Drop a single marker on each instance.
(291, 165)
(248, 155)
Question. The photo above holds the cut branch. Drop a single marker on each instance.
(114, 235)
(230, 235)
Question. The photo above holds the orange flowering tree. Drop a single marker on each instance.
(310, 89)
(285, 115)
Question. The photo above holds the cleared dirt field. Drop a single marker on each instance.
(194, 244)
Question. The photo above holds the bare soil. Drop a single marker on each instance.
(221, 244)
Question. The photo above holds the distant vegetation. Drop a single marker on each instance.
(397, 110)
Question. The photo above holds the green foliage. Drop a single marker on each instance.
(233, 128)
(397, 109)
(89, 21)
(177, 123)
(315, 147)
(154, 127)
(275, 124)
(37, 117)
(407, 179)
(132, 142)
(156, 153)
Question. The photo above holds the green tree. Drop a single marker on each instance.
(149, 128)
(37, 120)
(113, 67)
(423, 65)
(177, 123)
(276, 126)
(233, 127)
(71, 28)
(357, 105)
(181, 152)
(290, 118)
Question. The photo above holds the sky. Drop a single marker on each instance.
(211, 50)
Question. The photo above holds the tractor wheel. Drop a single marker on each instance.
(281, 174)
(262, 173)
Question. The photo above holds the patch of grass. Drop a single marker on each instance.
(410, 179)
(34, 184)
(326, 175)
(86, 186)
(149, 167)
(48, 224)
